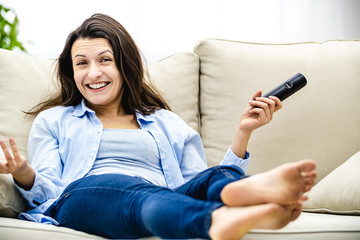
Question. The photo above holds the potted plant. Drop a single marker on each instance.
(8, 29)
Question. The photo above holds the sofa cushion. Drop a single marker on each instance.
(313, 226)
(11, 202)
(25, 81)
(307, 226)
(177, 78)
(339, 191)
(319, 122)
(20, 229)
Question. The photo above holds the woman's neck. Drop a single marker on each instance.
(115, 117)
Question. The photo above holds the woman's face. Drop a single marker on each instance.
(95, 72)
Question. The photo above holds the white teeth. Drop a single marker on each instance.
(97, 85)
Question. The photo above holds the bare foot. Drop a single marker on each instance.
(285, 184)
(234, 222)
(295, 210)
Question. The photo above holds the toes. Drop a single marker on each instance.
(306, 166)
(303, 198)
(308, 187)
(311, 174)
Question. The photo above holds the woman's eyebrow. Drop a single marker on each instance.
(105, 52)
(81, 55)
(78, 55)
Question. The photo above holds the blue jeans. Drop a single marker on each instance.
(120, 206)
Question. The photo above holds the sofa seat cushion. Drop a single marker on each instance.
(307, 226)
(19, 229)
(320, 122)
(313, 226)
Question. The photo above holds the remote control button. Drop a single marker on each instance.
(288, 85)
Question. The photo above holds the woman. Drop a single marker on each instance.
(110, 158)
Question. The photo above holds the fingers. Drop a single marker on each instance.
(12, 160)
(14, 148)
(16, 159)
(269, 105)
(4, 163)
(6, 150)
(257, 94)
(278, 103)
(263, 106)
(2, 143)
(259, 112)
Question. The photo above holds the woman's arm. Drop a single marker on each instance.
(259, 112)
(41, 180)
(17, 165)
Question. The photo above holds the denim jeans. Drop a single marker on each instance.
(120, 206)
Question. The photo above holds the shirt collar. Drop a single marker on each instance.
(81, 109)
(143, 118)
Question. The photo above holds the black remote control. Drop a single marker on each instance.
(289, 87)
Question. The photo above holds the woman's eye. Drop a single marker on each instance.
(80, 63)
(106, 60)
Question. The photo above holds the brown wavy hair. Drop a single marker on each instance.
(138, 94)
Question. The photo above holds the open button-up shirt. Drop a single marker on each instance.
(64, 141)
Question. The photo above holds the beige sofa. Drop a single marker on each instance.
(209, 89)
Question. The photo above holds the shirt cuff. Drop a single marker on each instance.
(231, 159)
(29, 194)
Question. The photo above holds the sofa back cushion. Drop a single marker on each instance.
(321, 121)
(24, 82)
(177, 78)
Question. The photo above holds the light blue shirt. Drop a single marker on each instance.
(64, 141)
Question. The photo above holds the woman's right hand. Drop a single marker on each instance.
(17, 165)
(11, 163)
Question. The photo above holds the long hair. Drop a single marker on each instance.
(138, 95)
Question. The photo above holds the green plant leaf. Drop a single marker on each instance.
(9, 30)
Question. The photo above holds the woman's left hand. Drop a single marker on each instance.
(259, 112)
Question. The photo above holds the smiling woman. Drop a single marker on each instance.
(109, 158)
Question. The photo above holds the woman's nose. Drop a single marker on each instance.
(94, 72)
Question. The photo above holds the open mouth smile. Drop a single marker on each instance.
(96, 86)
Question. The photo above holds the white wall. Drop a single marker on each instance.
(164, 27)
